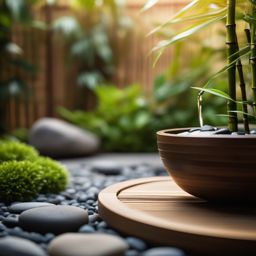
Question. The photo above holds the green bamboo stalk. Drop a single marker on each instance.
(253, 56)
(239, 67)
(231, 50)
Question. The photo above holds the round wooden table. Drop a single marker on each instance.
(158, 211)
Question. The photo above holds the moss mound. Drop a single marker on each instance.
(55, 176)
(20, 181)
(24, 174)
(12, 150)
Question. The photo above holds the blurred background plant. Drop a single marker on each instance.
(90, 32)
(11, 54)
(93, 49)
(193, 18)
(126, 119)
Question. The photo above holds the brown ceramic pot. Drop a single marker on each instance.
(215, 167)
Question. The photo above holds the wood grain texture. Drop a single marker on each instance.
(215, 167)
(157, 210)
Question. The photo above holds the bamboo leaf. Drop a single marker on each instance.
(191, 31)
(197, 7)
(241, 53)
(215, 92)
(159, 54)
(204, 17)
(196, 10)
(250, 19)
(149, 4)
(242, 113)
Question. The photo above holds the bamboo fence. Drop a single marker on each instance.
(54, 83)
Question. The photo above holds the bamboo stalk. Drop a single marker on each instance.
(253, 57)
(231, 50)
(239, 67)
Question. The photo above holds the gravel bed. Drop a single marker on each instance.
(86, 182)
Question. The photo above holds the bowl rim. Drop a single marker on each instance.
(173, 133)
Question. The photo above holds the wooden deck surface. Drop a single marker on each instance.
(156, 210)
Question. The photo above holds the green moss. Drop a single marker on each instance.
(23, 174)
(20, 181)
(55, 176)
(12, 150)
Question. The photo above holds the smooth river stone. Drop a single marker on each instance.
(53, 219)
(87, 245)
(163, 251)
(57, 138)
(107, 168)
(14, 246)
(21, 207)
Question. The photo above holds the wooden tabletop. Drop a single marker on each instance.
(157, 210)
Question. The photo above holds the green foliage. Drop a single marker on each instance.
(126, 120)
(197, 15)
(20, 134)
(90, 44)
(20, 181)
(55, 176)
(122, 119)
(12, 86)
(23, 174)
(11, 150)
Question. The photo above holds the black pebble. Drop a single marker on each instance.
(10, 221)
(2, 227)
(222, 131)
(195, 129)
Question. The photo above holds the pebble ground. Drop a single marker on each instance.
(86, 183)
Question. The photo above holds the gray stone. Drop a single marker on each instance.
(18, 232)
(2, 227)
(14, 246)
(164, 251)
(21, 207)
(238, 133)
(58, 138)
(208, 128)
(136, 243)
(53, 219)
(132, 253)
(107, 168)
(10, 221)
(87, 245)
(253, 131)
(87, 229)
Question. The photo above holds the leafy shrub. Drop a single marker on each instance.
(12, 150)
(20, 181)
(55, 176)
(122, 119)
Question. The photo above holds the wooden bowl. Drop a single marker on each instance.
(218, 168)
